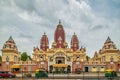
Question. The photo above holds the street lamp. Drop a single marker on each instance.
(98, 72)
(83, 74)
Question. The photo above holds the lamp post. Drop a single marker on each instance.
(83, 74)
(22, 73)
(98, 73)
(82, 67)
(53, 73)
(69, 65)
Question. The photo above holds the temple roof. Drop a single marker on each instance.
(10, 44)
(109, 44)
(95, 54)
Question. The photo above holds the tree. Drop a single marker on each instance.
(87, 58)
(29, 57)
(0, 59)
(24, 56)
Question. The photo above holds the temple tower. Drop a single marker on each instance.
(59, 37)
(109, 44)
(44, 43)
(74, 42)
(10, 51)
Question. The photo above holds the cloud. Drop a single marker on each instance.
(98, 27)
(25, 35)
(91, 20)
(30, 17)
(27, 5)
(106, 8)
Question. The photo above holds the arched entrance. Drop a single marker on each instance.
(86, 69)
(60, 68)
(59, 65)
(51, 68)
(68, 69)
(60, 60)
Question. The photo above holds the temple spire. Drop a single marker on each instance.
(109, 44)
(44, 42)
(44, 33)
(108, 39)
(11, 39)
(59, 36)
(74, 33)
(74, 42)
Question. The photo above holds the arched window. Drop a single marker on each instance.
(111, 46)
(111, 59)
(15, 58)
(7, 46)
(7, 59)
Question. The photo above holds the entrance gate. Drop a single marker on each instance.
(68, 69)
(86, 69)
(51, 68)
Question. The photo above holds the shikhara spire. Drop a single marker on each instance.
(74, 42)
(59, 36)
(108, 39)
(44, 42)
(10, 39)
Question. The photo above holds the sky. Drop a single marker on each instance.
(92, 21)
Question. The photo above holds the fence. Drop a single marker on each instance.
(82, 76)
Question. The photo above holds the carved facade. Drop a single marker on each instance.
(10, 54)
(60, 56)
(109, 56)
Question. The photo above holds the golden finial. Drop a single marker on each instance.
(59, 21)
(74, 33)
(44, 33)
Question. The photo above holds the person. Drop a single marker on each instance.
(65, 71)
(114, 74)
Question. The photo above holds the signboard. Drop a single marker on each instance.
(111, 62)
(7, 63)
(77, 63)
(42, 62)
(7, 59)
